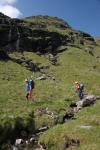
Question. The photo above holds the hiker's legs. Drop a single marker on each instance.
(81, 95)
(27, 95)
(30, 93)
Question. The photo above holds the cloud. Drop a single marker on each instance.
(10, 11)
(5, 2)
(7, 7)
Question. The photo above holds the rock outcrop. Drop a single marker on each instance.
(42, 34)
(87, 101)
(3, 55)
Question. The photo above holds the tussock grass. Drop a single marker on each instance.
(74, 65)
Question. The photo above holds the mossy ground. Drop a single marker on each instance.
(73, 65)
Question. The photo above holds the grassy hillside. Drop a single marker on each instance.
(73, 64)
(97, 40)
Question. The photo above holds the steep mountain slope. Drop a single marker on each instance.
(39, 33)
(75, 62)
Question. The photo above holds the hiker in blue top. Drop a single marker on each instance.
(27, 88)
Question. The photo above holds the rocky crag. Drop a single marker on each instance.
(41, 34)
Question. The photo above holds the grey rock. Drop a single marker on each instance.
(18, 141)
(15, 148)
(85, 126)
(87, 101)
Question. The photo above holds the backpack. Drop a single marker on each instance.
(81, 86)
(32, 84)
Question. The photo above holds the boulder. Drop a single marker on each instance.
(87, 101)
(18, 142)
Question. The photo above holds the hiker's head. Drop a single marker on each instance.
(26, 80)
(76, 82)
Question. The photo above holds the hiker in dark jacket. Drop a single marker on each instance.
(81, 94)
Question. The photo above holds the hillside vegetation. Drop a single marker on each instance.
(75, 62)
(97, 40)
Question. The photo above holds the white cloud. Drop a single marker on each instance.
(10, 11)
(5, 2)
(7, 7)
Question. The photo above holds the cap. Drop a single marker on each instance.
(26, 80)
(76, 82)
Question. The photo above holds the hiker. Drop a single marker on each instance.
(27, 88)
(80, 89)
(31, 84)
(77, 86)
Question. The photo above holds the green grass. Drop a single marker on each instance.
(89, 138)
(74, 65)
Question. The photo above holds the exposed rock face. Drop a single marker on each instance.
(3, 55)
(35, 34)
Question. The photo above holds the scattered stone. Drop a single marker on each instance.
(49, 112)
(85, 126)
(18, 142)
(26, 142)
(39, 147)
(89, 50)
(14, 148)
(32, 139)
(42, 129)
(42, 111)
(53, 58)
(56, 119)
(68, 116)
(45, 77)
(50, 56)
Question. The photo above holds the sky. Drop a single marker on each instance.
(83, 15)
